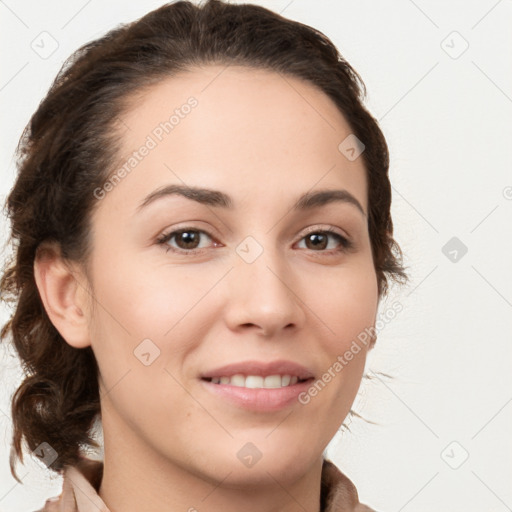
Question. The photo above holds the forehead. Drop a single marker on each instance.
(251, 130)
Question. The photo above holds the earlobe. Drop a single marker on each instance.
(62, 295)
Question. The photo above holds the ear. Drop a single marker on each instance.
(63, 296)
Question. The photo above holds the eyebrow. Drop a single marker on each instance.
(219, 199)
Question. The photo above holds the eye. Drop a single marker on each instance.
(318, 241)
(187, 240)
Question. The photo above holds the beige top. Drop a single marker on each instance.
(82, 482)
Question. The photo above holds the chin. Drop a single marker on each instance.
(260, 463)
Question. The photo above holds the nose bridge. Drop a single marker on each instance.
(262, 288)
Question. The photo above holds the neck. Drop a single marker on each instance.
(136, 477)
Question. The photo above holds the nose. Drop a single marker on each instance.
(264, 296)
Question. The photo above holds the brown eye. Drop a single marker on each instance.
(318, 241)
(185, 240)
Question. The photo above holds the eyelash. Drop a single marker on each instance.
(345, 244)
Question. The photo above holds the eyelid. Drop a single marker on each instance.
(327, 228)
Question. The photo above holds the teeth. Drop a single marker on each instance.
(257, 381)
(237, 380)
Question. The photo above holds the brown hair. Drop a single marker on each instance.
(69, 147)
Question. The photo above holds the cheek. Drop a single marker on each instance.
(137, 329)
(346, 303)
(348, 314)
(147, 301)
(347, 307)
(152, 312)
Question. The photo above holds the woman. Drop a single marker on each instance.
(202, 234)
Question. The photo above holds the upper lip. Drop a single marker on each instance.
(264, 369)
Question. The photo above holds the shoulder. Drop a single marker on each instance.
(85, 475)
(339, 494)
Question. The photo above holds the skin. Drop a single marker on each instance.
(170, 445)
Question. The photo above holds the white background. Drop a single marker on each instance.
(448, 122)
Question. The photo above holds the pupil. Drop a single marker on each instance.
(188, 238)
(317, 239)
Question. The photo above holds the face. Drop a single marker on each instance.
(247, 277)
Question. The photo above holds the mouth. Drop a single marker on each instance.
(262, 386)
(250, 394)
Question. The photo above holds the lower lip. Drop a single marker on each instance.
(258, 399)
